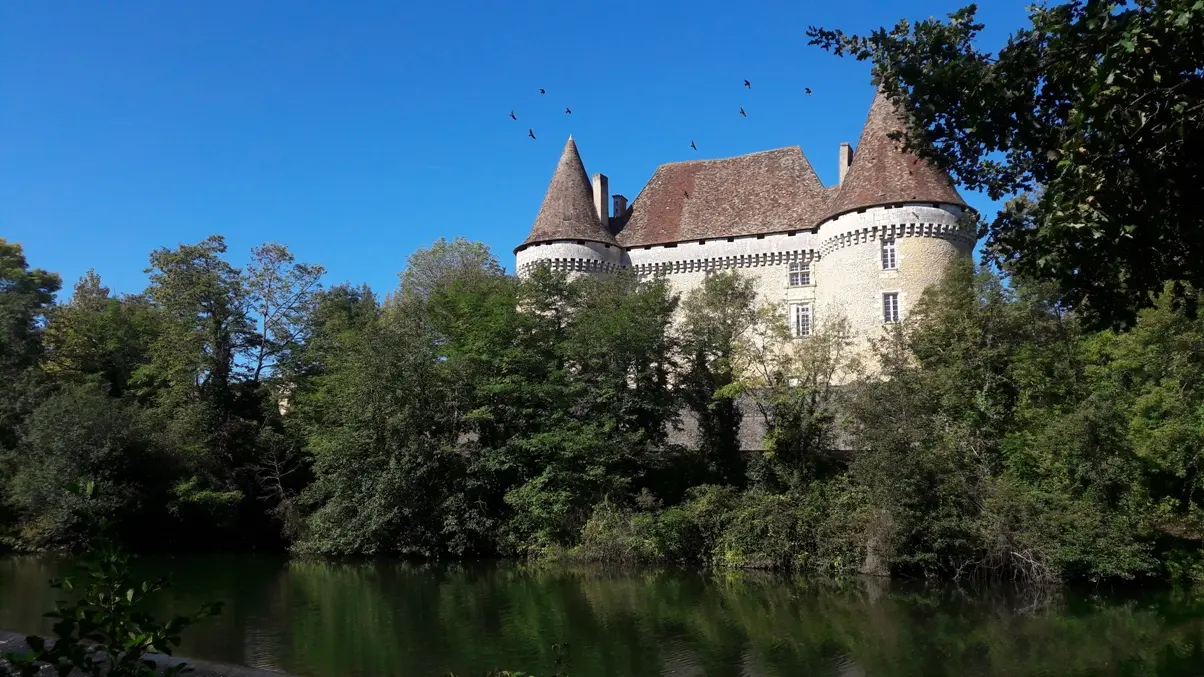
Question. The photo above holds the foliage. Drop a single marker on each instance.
(993, 434)
(25, 297)
(104, 632)
(79, 435)
(97, 338)
(716, 319)
(1093, 116)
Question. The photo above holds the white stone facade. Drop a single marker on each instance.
(847, 274)
(571, 256)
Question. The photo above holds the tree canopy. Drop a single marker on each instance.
(1090, 121)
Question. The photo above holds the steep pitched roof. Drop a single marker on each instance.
(882, 173)
(770, 191)
(567, 212)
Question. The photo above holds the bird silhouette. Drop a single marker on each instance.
(531, 133)
(512, 117)
(742, 111)
(686, 192)
(748, 84)
(808, 90)
(566, 110)
(692, 144)
(542, 91)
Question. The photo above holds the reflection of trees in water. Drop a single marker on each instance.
(348, 619)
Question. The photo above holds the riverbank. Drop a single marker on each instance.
(13, 642)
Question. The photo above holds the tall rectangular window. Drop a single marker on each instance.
(889, 261)
(800, 319)
(890, 307)
(800, 274)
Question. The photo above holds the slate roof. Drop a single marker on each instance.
(567, 212)
(767, 192)
(882, 173)
(770, 191)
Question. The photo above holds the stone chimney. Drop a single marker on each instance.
(601, 186)
(620, 205)
(846, 159)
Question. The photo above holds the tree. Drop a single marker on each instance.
(384, 459)
(1093, 117)
(98, 338)
(203, 412)
(25, 297)
(280, 292)
(791, 381)
(716, 319)
(207, 325)
(432, 269)
(76, 436)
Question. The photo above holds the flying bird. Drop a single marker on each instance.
(692, 144)
(566, 110)
(531, 133)
(512, 117)
(808, 90)
(742, 111)
(542, 91)
(748, 84)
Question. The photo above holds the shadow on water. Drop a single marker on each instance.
(350, 619)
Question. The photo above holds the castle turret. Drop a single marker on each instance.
(889, 231)
(569, 232)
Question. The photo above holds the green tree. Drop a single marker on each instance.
(384, 460)
(77, 436)
(26, 295)
(280, 293)
(983, 450)
(604, 353)
(98, 338)
(444, 263)
(1094, 115)
(207, 413)
(716, 319)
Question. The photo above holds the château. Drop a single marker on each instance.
(865, 248)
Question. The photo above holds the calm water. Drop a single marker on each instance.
(322, 619)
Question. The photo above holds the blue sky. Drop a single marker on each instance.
(357, 132)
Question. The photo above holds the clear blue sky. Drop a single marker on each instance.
(356, 132)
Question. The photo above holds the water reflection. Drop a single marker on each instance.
(322, 619)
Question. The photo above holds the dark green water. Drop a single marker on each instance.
(347, 620)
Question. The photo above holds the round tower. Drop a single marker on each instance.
(889, 232)
(570, 233)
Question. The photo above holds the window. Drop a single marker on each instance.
(800, 319)
(800, 273)
(889, 260)
(890, 307)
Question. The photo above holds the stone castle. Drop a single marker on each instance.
(865, 248)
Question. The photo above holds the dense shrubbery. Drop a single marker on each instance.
(472, 414)
(1000, 440)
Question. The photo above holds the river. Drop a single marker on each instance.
(387, 618)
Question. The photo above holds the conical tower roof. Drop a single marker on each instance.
(882, 173)
(568, 212)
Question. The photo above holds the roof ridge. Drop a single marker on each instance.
(736, 157)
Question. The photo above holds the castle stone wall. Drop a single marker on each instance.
(847, 277)
(576, 257)
(850, 279)
(765, 260)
